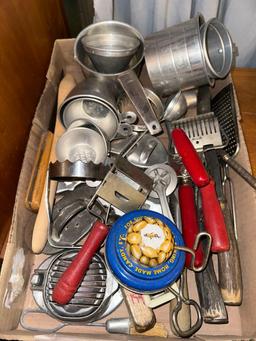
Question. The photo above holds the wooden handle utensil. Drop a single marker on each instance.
(41, 226)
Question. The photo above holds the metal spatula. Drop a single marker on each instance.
(203, 131)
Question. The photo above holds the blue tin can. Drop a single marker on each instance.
(130, 272)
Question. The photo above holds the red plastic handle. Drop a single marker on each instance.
(190, 227)
(190, 158)
(70, 280)
(213, 218)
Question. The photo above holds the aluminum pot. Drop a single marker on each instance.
(93, 101)
(183, 57)
(95, 54)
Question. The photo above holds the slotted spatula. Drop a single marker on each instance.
(203, 131)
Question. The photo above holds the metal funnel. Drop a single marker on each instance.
(109, 48)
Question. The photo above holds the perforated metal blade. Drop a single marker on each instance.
(203, 131)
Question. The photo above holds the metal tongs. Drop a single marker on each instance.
(181, 300)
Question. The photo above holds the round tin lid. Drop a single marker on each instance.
(130, 272)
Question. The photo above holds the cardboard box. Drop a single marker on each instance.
(19, 262)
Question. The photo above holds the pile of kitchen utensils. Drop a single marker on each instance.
(129, 216)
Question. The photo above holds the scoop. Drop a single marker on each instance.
(176, 107)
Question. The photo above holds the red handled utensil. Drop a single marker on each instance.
(190, 228)
(131, 200)
(70, 280)
(213, 217)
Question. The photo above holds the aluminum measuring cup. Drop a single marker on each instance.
(114, 50)
(188, 55)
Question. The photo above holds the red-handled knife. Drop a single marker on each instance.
(190, 228)
(213, 217)
(70, 280)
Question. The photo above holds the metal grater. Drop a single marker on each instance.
(223, 106)
(203, 131)
(89, 302)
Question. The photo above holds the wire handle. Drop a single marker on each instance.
(38, 330)
(198, 238)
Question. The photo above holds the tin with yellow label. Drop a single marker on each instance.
(140, 251)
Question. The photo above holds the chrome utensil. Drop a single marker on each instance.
(110, 48)
(211, 301)
(217, 48)
(83, 110)
(78, 170)
(121, 71)
(125, 104)
(71, 220)
(229, 267)
(223, 105)
(165, 181)
(83, 144)
(148, 151)
(203, 131)
(176, 107)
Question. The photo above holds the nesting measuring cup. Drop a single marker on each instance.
(114, 50)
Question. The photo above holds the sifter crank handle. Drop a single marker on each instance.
(70, 280)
